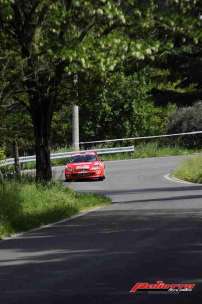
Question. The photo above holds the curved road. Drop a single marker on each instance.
(151, 232)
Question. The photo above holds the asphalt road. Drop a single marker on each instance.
(151, 232)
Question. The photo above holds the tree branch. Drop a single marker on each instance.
(67, 5)
(109, 29)
(86, 31)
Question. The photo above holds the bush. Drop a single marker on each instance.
(187, 119)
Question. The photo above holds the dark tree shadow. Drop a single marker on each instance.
(99, 257)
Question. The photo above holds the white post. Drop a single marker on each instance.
(75, 128)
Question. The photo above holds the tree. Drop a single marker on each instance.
(121, 106)
(49, 41)
(168, 39)
(179, 67)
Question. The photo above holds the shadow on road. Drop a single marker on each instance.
(98, 258)
(163, 199)
(148, 190)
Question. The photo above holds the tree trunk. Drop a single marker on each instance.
(41, 117)
(16, 159)
(1, 177)
(43, 163)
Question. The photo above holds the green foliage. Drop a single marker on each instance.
(73, 32)
(27, 205)
(61, 128)
(187, 120)
(120, 52)
(17, 126)
(180, 22)
(190, 170)
(121, 107)
(48, 42)
(2, 154)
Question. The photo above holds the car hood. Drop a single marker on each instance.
(83, 165)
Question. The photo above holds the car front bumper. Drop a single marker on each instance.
(83, 175)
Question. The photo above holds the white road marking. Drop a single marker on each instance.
(177, 180)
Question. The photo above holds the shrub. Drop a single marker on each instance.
(187, 119)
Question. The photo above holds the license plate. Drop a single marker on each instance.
(82, 168)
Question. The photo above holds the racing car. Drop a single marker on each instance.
(84, 165)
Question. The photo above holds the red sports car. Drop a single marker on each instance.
(85, 165)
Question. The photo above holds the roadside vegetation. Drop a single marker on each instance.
(143, 150)
(190, 170)
(152, 150)
(25, 205)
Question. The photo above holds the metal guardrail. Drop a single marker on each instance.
(61, 155)
(139, 137)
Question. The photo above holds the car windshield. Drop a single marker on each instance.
(82, 158)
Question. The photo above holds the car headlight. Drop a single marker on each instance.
(95, 168)
(69, 169)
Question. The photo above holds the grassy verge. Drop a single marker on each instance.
(152, 150)
(190, 170)
(25, 205)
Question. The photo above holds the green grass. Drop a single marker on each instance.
(190, 170)
(25, 205)
(152, 150)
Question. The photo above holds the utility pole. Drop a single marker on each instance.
(75, 117)
(75, 128)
